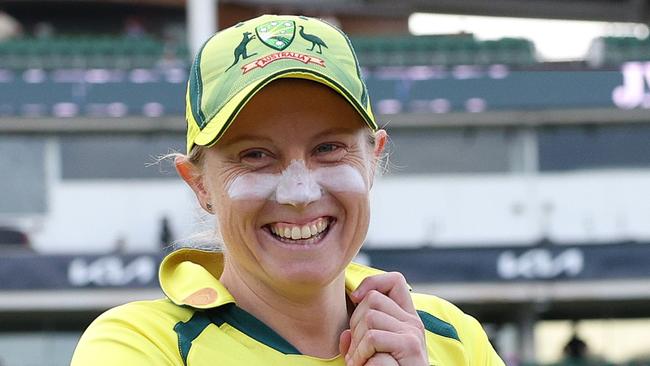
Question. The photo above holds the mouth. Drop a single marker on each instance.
(304, 234)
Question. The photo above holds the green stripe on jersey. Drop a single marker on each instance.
(188, 331)
(438, 326)
(246, 323)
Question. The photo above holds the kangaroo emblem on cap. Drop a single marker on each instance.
(315, 41)
(240, 51)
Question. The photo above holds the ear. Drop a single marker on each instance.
(381, 137)
(193, 176)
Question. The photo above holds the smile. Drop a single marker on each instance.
(308, 233)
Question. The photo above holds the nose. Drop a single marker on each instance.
(297, 186)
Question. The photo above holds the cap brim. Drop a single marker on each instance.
(218, 124)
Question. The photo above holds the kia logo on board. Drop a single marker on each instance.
(540, 264)
(112, 271)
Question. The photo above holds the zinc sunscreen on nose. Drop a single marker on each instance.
(297, 185)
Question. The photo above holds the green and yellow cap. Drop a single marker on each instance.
(238, 61)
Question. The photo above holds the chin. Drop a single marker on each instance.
(307, 273)
(309, 263)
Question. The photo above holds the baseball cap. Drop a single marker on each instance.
(238, 61)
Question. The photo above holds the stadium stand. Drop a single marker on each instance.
(107, 51)
(86, 51)
(442, 50)
(104, 51)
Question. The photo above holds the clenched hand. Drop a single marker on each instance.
(384, 329)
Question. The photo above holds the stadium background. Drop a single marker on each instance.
(516, 188)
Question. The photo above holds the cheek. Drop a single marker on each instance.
(356, 221)
(238, 192)
(342, 178)
(235, 203)
(252, 186)
(356, 207)
(237, 218)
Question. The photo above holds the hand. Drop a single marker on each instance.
(384, 329)
(378, 359)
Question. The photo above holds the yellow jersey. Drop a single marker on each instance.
(200, 324)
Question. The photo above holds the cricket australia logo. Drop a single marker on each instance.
(277, 34)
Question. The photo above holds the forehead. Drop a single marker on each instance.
(295, 106)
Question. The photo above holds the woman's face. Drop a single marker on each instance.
(283, 238)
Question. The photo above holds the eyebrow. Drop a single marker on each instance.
(246, 138)
(336, 131)
(258, 138)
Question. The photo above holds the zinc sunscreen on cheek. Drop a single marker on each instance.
(253, 186)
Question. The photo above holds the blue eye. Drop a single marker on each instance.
(326, 148)
(254, 154)
(256, 157)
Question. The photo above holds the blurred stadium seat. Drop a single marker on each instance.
(612, 51)
(442, 50)
(85, 51)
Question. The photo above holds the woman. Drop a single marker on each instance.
(282, 149)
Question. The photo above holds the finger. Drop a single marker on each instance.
(404, 348)
(392, 284)
(381, 359)
(374, 319)
(382, 303)
(345, 340)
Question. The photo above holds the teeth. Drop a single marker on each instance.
(295, 233)
(306, 233)
(299, 232)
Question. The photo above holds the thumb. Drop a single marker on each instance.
(344, 342)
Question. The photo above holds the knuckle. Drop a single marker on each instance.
(412, 343)
(397, 277)
(374, 297)
(370, 318)
(368, 281)
(417, 322)
(380, 359)
(372, 336)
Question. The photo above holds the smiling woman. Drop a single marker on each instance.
(282, 149)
